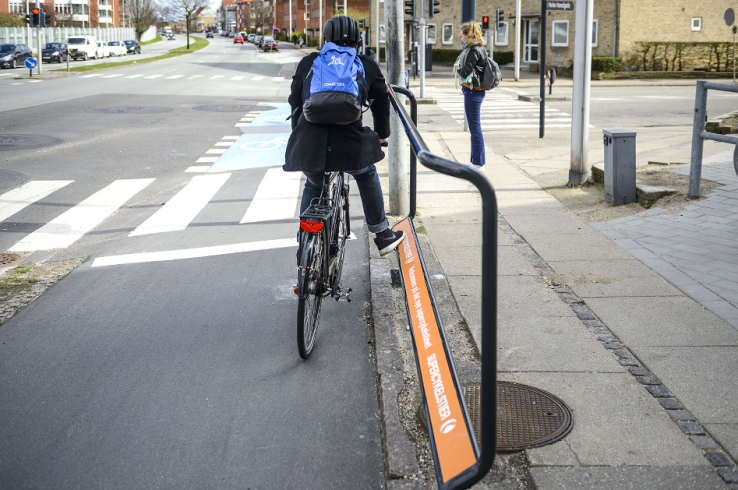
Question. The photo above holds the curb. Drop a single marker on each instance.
(399, 451)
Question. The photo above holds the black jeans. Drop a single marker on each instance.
(371, 195)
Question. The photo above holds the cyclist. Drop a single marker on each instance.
(353, 148)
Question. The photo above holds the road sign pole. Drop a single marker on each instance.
(38, 48)
(517, 40)
(421, 61)
(542, 70)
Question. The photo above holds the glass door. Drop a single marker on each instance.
(530, 40)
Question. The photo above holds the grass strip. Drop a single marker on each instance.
(196, 43)
(155, 40)
(17, 279)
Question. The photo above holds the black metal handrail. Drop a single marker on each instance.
(489, 272)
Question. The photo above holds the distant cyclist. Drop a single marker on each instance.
(350, 147)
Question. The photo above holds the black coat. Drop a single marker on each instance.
(331, 147)
(476, 60)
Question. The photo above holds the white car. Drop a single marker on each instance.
(102, 50)
(84, 47)
(117, 48)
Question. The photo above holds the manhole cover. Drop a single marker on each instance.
(526, 417)
(7, 260)
(9, 142)
(133, 110)
(224, 108)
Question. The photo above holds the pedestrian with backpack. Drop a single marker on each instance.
(329, 93)
(470, 67)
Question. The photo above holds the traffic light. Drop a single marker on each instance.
(485, 22)
(433, 8)
(362, 24)
(46, 20)
(28, 19)
(35, 17)
(411, 10)
(499, 18)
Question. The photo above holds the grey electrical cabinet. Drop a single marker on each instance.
(620, 166)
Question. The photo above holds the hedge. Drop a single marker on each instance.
(606, 64)
(450, 55)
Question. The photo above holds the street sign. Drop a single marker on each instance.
(258, 29)
(560, 5)
(31, 63)
(729, 17)
(276, 31)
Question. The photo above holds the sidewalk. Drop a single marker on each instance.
(592, 314)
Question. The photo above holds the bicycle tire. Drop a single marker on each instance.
(343, 230)
(310, 292)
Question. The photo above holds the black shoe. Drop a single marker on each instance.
(388, 240)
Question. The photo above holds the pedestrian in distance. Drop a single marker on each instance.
(294, 39)
(469, 68)
(337, 140)
(301, 42)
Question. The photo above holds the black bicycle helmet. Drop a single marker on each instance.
(341, 30)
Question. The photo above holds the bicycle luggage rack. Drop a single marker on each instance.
(458, 460)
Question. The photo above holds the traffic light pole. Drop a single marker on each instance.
(39, 53)
(421, 61)
(542, 72)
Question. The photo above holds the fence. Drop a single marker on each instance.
(27, 35)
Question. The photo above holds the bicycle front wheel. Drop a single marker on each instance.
(310, 292)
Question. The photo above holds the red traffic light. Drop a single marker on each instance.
(34, 11)
(485, 19)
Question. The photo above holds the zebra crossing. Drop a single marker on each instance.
(141, 76)
(501, 110)
(276, 198)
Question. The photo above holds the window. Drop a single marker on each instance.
(501, 35)
(560, 33)
(431, 37)
(448, 34)
(696, 23)
(381, 33)
(595, 29)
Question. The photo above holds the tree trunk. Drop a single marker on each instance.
(187, 30)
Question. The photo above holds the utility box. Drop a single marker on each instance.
(620, 166)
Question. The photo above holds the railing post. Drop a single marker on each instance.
(695, 164)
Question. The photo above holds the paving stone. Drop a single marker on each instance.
(729, 475)
(704, 442)
(718, 458)
(583, 312)
(658, 391)
(639, 371)
(593, 323)
(648, 380)
(600, 331)
(680, 415)
(691, 428)
(670, 404)
(627, 362)
(613, 345)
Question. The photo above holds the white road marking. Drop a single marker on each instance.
(193, 253)
(154, 76)
(277, 79)
(182, 208)
(135, 76)
(215, 76)
(195, 76)
(17, 83)
(198, 168)
(247, 119)
(13, 201)
(207, 160)
(257, 78)
(91, 76)
(231, 138)
(174, 77)
(115, 75)
(276, 197)
(224, 143)
(215, 151)
(35, 81)
(237, 77)
(71, 225)
(241, 125)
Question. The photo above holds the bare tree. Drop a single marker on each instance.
(140, 15)
(188, 10)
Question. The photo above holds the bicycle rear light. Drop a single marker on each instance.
(311, 226)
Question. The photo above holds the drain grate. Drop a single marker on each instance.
(526, 417)
(10, 142)
(8, 260)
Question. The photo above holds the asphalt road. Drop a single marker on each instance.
(173, 373)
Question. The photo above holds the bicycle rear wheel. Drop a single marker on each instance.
(310, 292)
(342, 231)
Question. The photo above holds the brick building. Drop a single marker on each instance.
(619, 25)
(74, 13)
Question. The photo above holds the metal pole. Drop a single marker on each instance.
(289, 34)
(542, 69)
(579, 170)
(377, 31)
(517, 40)
(695, 164)
(345, 7)
(421, 61)
(38, 37)
(397, 155)
(734, 29)
(320, 39)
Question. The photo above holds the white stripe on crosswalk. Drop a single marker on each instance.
(184, 206)
(257, 78)
(135, 76)
(195, 76)
(215, 151)
(154, 76)
(215, 76)
(237, 78)
(224, 143)
(91, 76)
(197, 168)
(71, 225)
(277, 79)
(276, 197)
(115, 75)
(230, 138)
(14, 201)
(207, 160)
(174, 77)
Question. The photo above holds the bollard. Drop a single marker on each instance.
(620, 166)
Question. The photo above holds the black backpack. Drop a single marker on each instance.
(491, 76)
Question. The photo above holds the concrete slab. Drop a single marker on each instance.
(726, 435)
(553, 224)
(663, 322)
(467, 261)
(612, 278)
(628, 478)
(633, 431)
(589, 247)
(557, 344)
(702, 378)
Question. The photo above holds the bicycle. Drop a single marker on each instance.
(324, 229)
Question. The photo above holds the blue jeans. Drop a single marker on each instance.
(473, 107)
(371, 195)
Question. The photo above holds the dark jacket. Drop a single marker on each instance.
(476, 59)
(331, 147)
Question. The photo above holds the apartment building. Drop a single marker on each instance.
(74, 13)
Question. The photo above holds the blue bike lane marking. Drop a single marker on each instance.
(258, 150)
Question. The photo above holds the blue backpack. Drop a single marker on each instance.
(334, 89)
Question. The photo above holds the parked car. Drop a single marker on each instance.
(238, 39)
(102, 50)
(12, 55)
(84, 47)
(132, 46)
(269, 44)
(231, 34)
(117, 48)
(257, 40)
(250, 37)
(209, 34)
(54, 52)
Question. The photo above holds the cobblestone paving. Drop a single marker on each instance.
(695, 249)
